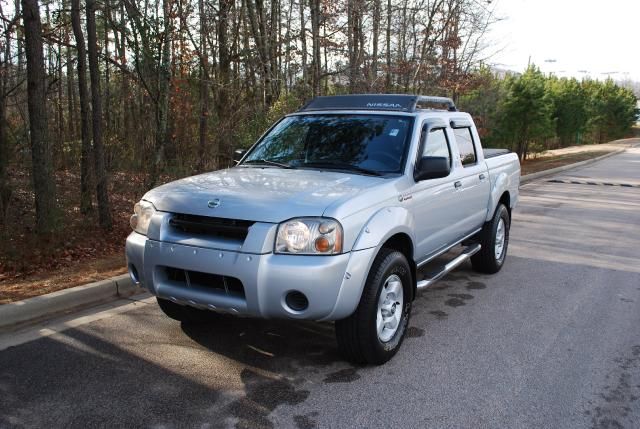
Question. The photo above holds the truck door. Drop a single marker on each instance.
(433, 200)
(471, 178)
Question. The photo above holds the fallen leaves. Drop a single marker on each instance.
(29, 263)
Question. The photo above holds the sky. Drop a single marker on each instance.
(576, 38)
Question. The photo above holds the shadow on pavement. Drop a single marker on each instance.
(273, 345)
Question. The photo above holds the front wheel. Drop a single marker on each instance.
(494, 239)
(374, 332)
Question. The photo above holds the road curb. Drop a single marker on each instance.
(533, 176)
(52, 304)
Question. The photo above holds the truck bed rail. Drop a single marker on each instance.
(491, 153)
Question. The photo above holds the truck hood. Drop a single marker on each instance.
(258, 194)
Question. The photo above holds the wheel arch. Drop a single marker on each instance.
(499, 194)
(403, 244)
(505, 199)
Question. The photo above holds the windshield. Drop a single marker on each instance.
(363, 144)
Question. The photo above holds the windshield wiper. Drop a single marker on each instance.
(269, 162)
(341, 166)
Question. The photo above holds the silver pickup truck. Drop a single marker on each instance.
(335, 214)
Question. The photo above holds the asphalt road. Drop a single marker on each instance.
(552, 341)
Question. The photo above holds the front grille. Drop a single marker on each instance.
(188, 278)
(211, 226)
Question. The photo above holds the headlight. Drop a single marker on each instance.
(141, 217)
(309, 236)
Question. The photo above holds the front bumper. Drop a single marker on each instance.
(331, 284)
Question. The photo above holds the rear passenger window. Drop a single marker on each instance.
(466, 148)
(436, 144)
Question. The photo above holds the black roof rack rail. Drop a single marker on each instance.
(391, 102)
(430, 99)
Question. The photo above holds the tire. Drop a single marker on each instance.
(184, 314)
(359, 339)
(488, 260)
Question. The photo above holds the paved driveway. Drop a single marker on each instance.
(553, 340)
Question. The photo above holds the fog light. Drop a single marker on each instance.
(296, 301)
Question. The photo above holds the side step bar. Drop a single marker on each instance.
(466, 254)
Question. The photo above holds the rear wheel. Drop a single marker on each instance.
(494, 239)
(374, 332)
(183, 313)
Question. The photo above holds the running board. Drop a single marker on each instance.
(466, 254)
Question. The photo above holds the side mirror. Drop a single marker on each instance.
(238, 154)
(432, 167)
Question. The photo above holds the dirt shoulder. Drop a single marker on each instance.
(76, 274)
(30, 266)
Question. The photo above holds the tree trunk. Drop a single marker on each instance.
(255, 12)
(388, 81)
(104, 209)
(303, 54)
(373, 76)
(224, 67)
(59, 107)
(5, 188)
(42, 170)
(315, 32)
(351, 48)
(274, 42)
(85, 158)
(107, 74)
(162, 102)
(20, 41)
(355, 43)
(71, 94)
(204, 88)
(128, 99)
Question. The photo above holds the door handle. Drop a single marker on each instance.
(458, 184)
(482, 176)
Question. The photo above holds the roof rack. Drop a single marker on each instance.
(392, 102)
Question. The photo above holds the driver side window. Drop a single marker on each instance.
(436, 144)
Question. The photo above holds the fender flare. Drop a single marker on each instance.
(384, 224)
(500, 186)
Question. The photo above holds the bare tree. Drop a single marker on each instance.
(5, 89)
(85, 132)
(257, 19)
(315, 33)
(42, 168)
(373, 75)
(247, 61)
(303, 44)
(102, 191)
(204, 86)
(224, 69)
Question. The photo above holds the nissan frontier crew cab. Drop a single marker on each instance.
(335, 214)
